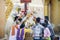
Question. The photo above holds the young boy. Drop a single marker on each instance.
(37, 30)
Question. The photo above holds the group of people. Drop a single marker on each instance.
(41, 30)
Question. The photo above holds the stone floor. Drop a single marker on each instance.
(5, 38)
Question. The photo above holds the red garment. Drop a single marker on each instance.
(13, 29)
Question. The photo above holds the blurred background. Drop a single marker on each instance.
(50, 9)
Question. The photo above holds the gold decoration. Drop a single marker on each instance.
(9, 6)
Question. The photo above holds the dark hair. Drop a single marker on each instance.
(22, 25)
(46, 17)
(15, 18)
(44, 25)
(20, 19)
(46, 21)
(38, 19)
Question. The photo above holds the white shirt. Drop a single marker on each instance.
(37, 30)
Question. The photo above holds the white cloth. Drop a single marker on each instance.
(14, 36)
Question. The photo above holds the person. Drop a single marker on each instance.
(14, 28)
(20, 32)
(16, 17)
(51, 29)
(37, 30)
(46, 32)
(13, 31)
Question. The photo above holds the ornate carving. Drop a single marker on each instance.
(9, 6)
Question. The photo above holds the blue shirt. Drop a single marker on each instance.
(51, 29)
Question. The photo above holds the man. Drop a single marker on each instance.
(51, 29)
(37, 30)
